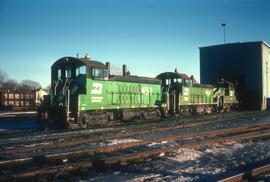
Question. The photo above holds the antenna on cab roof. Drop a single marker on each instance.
(87, 56)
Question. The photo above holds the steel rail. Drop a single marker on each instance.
(60, 134)
(122, 159)
(113, 134)
(113, 148)
(250, 175)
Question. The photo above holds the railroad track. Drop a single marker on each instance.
(102, 133)
(113, 148)
(140, 124)
(250, 175)
(84, 138)
(120, 154)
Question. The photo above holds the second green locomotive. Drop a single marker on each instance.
(84, 93)
(181, 93)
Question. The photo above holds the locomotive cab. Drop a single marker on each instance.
(171, 88)
(228, 99)
(68, 81)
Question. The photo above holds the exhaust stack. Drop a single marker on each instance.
(108, 67)
(124, 70)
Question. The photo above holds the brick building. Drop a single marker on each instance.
(16, 100)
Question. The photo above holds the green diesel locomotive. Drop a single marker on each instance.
(84, 93)
(181, 93)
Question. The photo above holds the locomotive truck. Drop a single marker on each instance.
(84, 93)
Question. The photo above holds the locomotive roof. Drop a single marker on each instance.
(203, 85)
(135, 79)
(83, 61)
(167, 75)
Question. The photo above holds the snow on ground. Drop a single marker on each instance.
(85, 146)
(157, 144)
(184, 154)
(117, 141)
(209, 163)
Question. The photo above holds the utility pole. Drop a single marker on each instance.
(224, 28)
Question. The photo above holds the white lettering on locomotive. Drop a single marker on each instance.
(97, 88)
(207, 92)
(96, 99)
(186, 92)
(146, 90)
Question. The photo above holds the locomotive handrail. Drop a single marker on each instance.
(56, 85)
(65, 85)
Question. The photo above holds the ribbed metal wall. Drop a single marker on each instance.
(241, 62)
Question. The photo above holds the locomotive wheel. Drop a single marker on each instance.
(84, 122)
(45, 115)
(95, 119)
(150, 114)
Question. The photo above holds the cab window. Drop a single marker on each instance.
(177, 80)
(68, 73)
(189, 82)
(168, 81)
(81, 70)
(99, 73)
(59, 74)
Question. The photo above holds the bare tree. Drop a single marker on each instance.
(3, 77)
(115, 70)
(28, 85)
(10, 85)
(48, 88)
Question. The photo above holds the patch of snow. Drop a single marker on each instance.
(157, 143)
(117, 141)
(116, 172)
(152, 144)
(144, 178)
(203, 164)
(37, 144)
(161, 154)
(184, 154)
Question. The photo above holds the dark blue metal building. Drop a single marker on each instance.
(246, 64)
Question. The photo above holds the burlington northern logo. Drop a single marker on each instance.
(97, 90)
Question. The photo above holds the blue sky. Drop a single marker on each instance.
(150, 36)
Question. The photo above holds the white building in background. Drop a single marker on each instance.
(39, 95)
